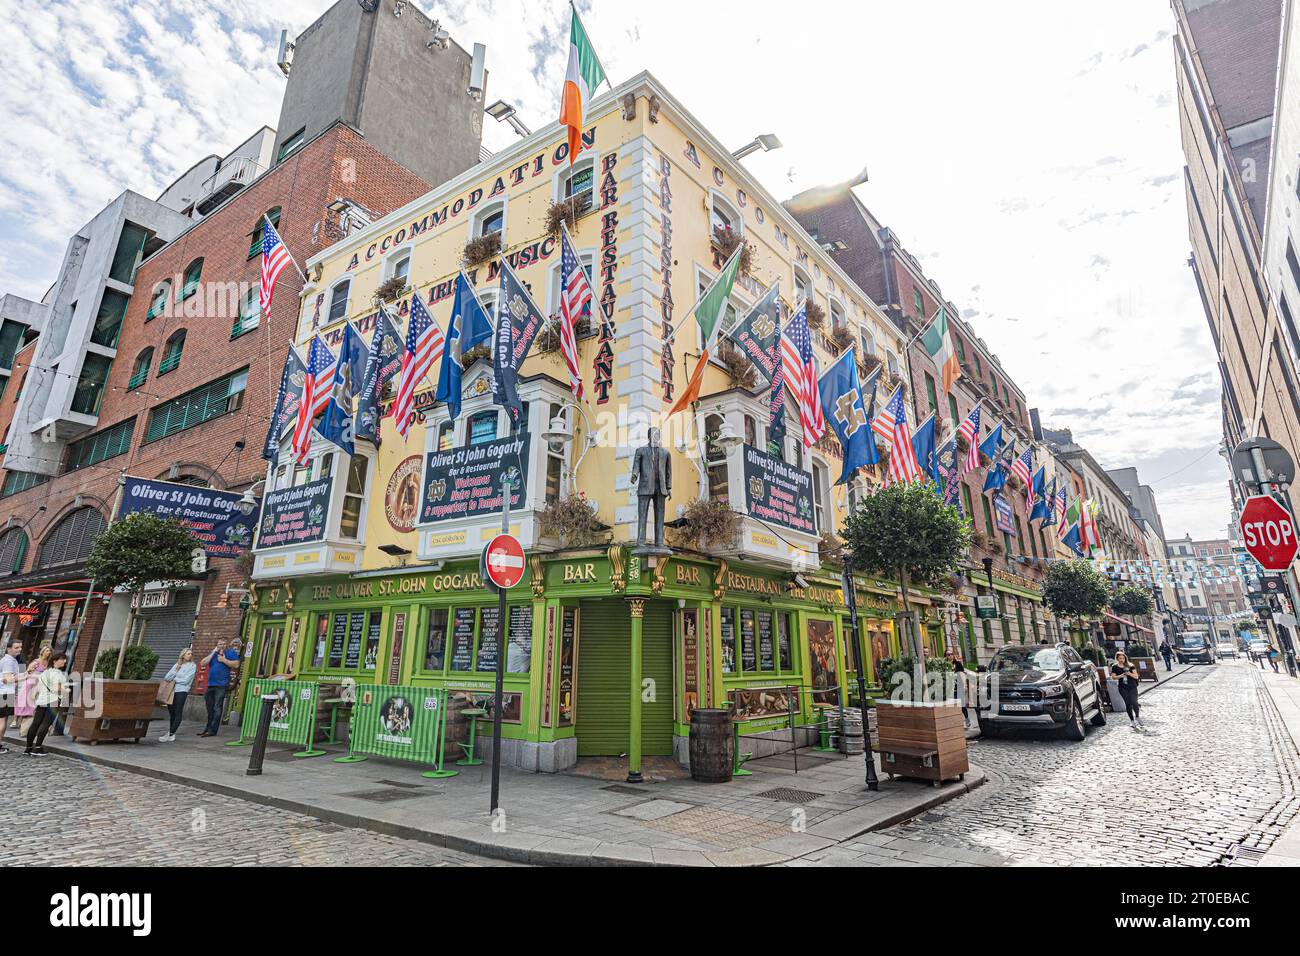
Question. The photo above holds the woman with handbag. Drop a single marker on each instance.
(26, 708)
(181, 677)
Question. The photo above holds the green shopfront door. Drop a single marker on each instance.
(604, 679)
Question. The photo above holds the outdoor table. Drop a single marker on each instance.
(333, 705)
(469, 760)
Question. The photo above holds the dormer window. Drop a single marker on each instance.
(490, 220)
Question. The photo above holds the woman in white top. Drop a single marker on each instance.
(182, 673)
(47, 696)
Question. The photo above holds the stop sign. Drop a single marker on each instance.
(503, 561)
(1269, 532)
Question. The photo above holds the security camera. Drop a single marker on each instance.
(801, 581)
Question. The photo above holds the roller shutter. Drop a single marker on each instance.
(604, 678)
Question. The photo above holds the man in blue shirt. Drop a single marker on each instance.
(220, 663)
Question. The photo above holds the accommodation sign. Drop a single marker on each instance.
(295, 515)
(778, 493)
(466, 482)
(212, 517)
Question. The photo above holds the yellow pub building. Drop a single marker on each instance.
(367, 566)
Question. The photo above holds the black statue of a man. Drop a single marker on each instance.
(652, 475)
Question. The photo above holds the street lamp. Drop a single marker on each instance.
(727, 438)
(559, 436)
(503, 112)
(766, 142)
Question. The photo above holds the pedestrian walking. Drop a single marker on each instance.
(1167, 653)
(1272, 658)
(220, 663)
(11, 675)
(26, 707)
(959, 682)
(182, 675)
(1126, 674)
(47, 696)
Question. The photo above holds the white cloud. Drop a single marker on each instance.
(1018, 145)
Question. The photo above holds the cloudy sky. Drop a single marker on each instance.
(1027, 153)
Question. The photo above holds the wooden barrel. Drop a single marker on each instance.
(711, 745)
(853, 735)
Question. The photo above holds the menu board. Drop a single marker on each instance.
(690, 662)
(748, 656)
(338, 638)
(766, 647)
(728, 640)
(356, 633)
(783, 641)
(372, 640)
(462, 640)
(568, 650)
(395, 653)
(519, 653)
(487, 641)
(435, 642)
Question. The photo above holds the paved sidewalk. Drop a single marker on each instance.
(559, 819)
(1284, 691)
(1166, 676)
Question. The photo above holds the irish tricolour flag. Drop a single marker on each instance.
(938, 343)
(708, 313)
(584, 76)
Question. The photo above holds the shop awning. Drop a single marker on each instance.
(1136, 627)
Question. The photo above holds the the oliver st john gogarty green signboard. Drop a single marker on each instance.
(401, 723)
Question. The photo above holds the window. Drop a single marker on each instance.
(172, 352)
(580, 181)
(161, 296)
(16, 481)
(193, 272)
(465, 639)
(952, 409)
(354, 496)
(838, 319)
(129, 252)
(554, 461)
(101, 446)
(868, 342)
(398, 267)
(250, 313)
(965, 494)
(90, 386)
(446, 436)
(70, 541)
(203, 404)
(891, 363)
(108, 321)
(292, 143)
(339, 297)
(756, 641)
(11, 340)
(821, 486)
(919, 300)
(142, 368)
(483, 428)
(715, 459)
(255, 237)
(803, 288)
(490, 220)
(13, 548)
(723, 217)
(931, 394)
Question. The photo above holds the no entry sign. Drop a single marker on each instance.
(1269, 533)
(503, 561)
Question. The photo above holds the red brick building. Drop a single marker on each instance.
(196, 370)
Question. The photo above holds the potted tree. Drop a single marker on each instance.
(127, 556)
(906, 531)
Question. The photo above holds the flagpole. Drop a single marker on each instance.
(302, 275)
(926, 328)
(594, 55)
(716, 279)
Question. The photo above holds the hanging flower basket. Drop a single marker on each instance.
(831, 549)
(963, 443)
(482, 250)
(707, 520)
(815, 313)
(393, 289)
(869, 363)
(470, 356)
(726, 241)
(841, 338)
(739, 368)
(566, 212)
(574, 521)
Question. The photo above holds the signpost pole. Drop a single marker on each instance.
(859, 665)
(501, 656)
(1268, 488)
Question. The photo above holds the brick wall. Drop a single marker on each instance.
(337, 163)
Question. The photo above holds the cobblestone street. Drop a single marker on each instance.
(122, 819)
(1211, 780)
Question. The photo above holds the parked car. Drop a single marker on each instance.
(1194, 649)
(1226, 649)
(1045, 686)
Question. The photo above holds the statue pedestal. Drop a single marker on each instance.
(651, 554)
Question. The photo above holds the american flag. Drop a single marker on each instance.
(1022, 468)
(315, 396)
(424, 345)
(274, 258)
(891, 425)
(800, 370)
(970, 430)
(575, 296)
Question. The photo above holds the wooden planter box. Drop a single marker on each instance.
(925, 741)
(1146, 668)
(122, 713)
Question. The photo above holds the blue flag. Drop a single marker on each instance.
(845, 409)
(469, 327)
(1073, 541)
(1040, 479)
(285, 410)
(997, 477)
(1039, 511)
(992, 444)
(385, 362)
(926, 449)
(339, 423)
(518, 322)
